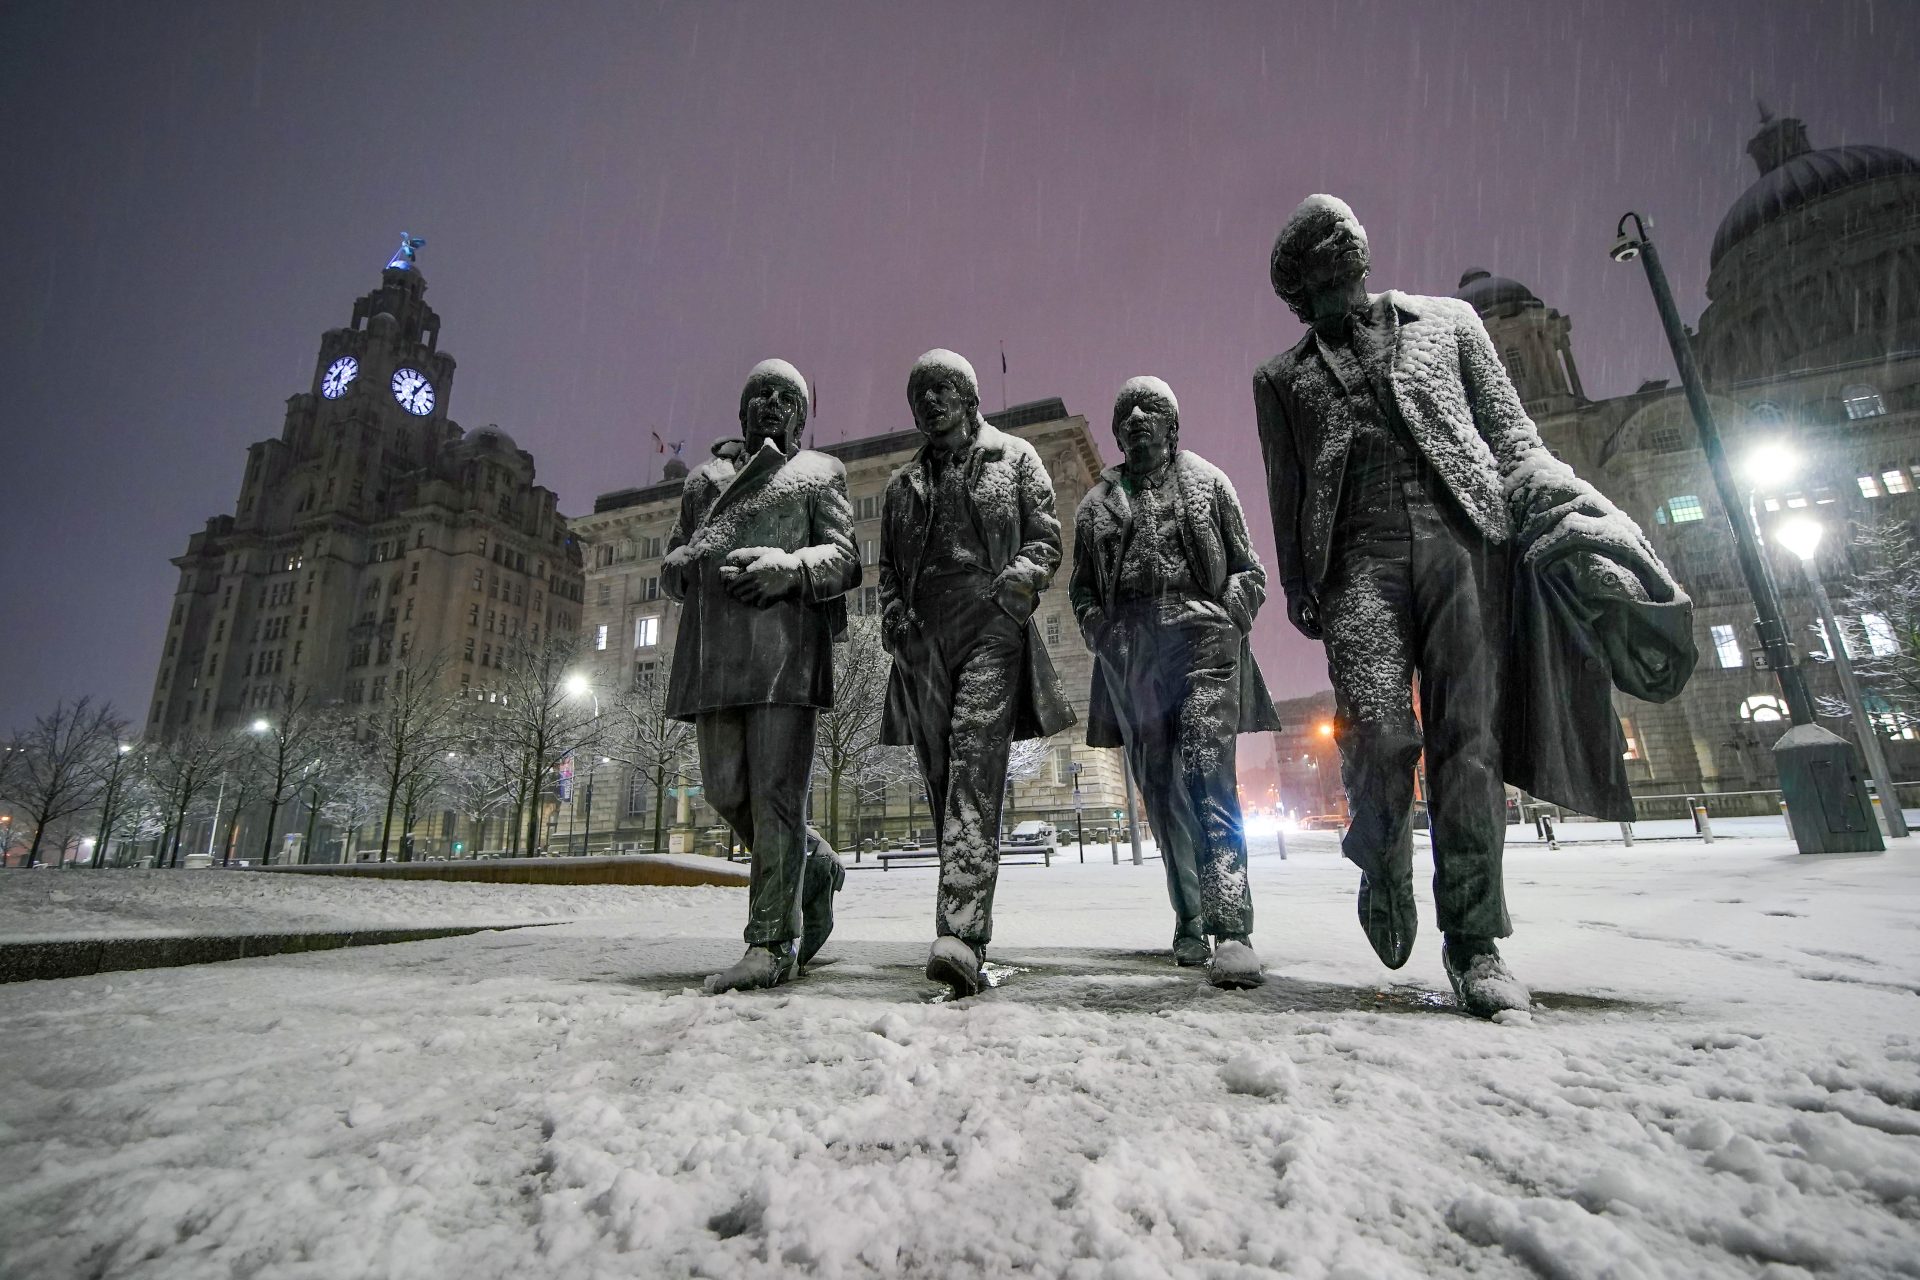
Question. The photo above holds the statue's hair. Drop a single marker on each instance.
(1322, 244)
(777, 371)
(938, 363)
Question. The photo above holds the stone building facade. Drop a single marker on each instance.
(371, 531)
(1810, 347)
(629, 628)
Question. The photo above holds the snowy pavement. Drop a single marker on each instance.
(1722, 1078)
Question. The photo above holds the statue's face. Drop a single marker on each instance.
(1146, 433)
(773, 411)
(1329, 256)
(941, 405)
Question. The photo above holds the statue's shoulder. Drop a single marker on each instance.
(1423, 306)
(1198, 469)
(810, 466)
(1279, 370)
(712, 473)
(992, 440)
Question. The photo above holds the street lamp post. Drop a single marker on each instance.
(1079, 818)
(107, 800)
(578, 685)
(1826, 800)
(1801, 536)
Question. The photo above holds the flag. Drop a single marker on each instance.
(1003, 362)
(659, 445)
(563, 786)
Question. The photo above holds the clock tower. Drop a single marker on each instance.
(372, 531)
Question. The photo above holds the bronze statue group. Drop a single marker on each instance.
(1410, 494)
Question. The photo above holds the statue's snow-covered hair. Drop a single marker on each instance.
(1143, 387)
(1321, 244)
(939, 362)
(777, 371)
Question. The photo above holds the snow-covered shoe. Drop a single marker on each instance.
(1388, 916)
(761, 966)
(825, 875)
(1190, 952)
(956, 965)
(1235, 966)
(1482, 983)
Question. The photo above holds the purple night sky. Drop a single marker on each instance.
(628, 205)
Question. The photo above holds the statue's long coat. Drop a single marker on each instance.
(1011, 500)
(730, 654)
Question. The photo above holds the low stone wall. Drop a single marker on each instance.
(636, 868)
(79, 957)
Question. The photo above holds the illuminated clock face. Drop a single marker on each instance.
(340, 374)
(413, 391)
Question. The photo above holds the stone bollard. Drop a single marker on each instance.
(1546, 828)
(1280, 838)
(1703, 823)
(1626, 834)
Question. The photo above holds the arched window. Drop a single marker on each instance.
(1862, 401)
(1762, 708)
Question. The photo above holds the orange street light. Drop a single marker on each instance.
(1325, 728)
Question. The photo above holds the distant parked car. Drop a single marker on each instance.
(193, 860)
(1034, 834)
(1323, 822)
(909, 845)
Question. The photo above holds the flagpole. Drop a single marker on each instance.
(1003, 375)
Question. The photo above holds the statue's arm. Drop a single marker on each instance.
(894, 615)
(1286, 483)
(1246, 587)
(677, 567)
(1019, 585)
(1083, 584)
(1522, 456)
(831, 565)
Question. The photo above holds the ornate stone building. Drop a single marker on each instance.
(629, 628)
(1810, 346)
(370, 530)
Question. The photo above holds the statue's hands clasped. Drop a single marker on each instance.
(761, 576)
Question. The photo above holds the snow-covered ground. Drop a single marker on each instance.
(1722, 1078)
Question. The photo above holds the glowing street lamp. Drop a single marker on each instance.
(1801, 535)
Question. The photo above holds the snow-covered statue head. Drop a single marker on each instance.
(773, 406)
(944, 394)
(1146, 423)
(1321, 251)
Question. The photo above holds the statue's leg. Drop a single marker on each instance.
(722, 739)
(1209, 720)
(1460, 584)
(1147, 707)
(923, 665)
(1367, 619)
(986, 665)
(726, 740)
(779, 746)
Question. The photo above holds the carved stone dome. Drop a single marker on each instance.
(491, 439)
(1484, 291)
(1794, 175)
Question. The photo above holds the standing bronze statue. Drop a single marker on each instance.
(1394, 443)
(968, 541)
(1165, 586)
(759, 559)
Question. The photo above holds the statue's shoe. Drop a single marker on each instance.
(760, 967)
(825, 874)
(1387, 915)
(1190, 952)
(1482, 983)
(1235, 967)
(956, 965)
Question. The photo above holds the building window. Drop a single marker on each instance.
(1862, 401)
(869, 551)
(600, 636)
(1063, 766)
(639, 788)
(866, 508)
(1896, 481)
(645, 671)
(1632, 750)
(1053, 628)
(646, 632)
(650, 588)
(479, 579)
(1665, 440)
(1880, 637)
(1869, 487)
(1726, 646)
(1685, 509)
(606, 593)
(1763, 708)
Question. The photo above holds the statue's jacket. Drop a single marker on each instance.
(731, 654)
(1010, 499)
(1213, 533)
(1591, 606)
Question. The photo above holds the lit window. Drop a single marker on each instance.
(1773, 504)
(1880, 637)
(1685, 508)
(1763, 708)
(1797, 500)
(1726, 645)
(1869, 487)
(1862, 401)
(600, 636)
(646, 632)
(1632, 751)
(1896, 481)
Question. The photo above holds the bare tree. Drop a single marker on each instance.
(643, 739)
(295, 739)
(410, 730)
(63, 765)
(480, 775)
(119, 792)
(846, 746)
(180, 771)
(1878, 609)
(544, 712)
